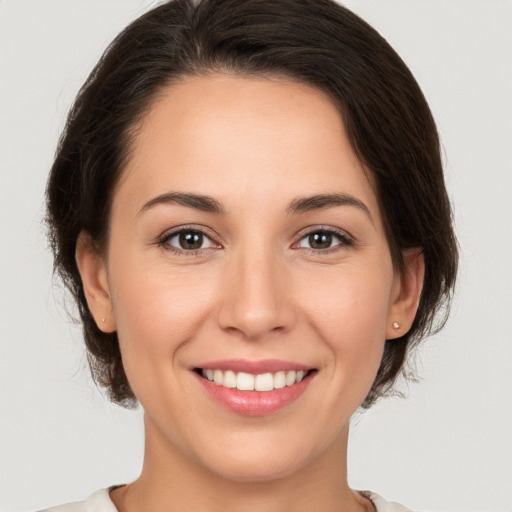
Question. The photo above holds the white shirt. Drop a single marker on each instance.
(100, 502)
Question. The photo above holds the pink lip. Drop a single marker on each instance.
(254, 403)
(254, 367)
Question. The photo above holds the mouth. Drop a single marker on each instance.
(262, 382)
(254, 388)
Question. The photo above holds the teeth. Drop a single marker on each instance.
(290, 378)
(279, 380)
(218, 377)
(264, 382)
(248, 382)
(245, 381)
(229, 379)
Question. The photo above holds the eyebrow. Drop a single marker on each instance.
(195, 201)
(319, 202)
(299, 205)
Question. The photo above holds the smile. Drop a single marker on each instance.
(248, 382)
(254, 388)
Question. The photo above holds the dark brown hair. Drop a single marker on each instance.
(316, 42)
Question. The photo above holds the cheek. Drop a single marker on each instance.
(354, 299)
(350, 312)
(157, 309)
(158, 312)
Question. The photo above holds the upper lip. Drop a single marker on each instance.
(254, 367)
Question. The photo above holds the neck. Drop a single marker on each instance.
(172, 481)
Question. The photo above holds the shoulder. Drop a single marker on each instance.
(97, 502)
(381, 505)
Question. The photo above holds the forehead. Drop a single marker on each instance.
(221, 135)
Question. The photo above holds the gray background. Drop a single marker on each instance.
(448, 447)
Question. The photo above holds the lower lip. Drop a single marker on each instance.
(255, 403)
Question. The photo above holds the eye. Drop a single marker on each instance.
(322, 240)
(187, 240)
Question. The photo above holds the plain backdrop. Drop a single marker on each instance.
(447, 447)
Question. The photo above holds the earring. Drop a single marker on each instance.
(396, 325)
(103, 320)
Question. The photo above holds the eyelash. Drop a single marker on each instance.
(163, 241)
(345, 241)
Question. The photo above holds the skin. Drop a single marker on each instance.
(254, 290)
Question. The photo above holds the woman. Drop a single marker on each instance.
(248, 204)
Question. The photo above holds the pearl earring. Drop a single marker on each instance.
(103, 320)
(396, 325)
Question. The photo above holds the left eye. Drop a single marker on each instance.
(188, 240)
(321, 240)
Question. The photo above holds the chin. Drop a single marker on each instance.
(255, 471)
(261, 462)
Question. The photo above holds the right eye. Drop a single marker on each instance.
(187, 240)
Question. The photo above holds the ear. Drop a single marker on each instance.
(406, 292)
(93, 271)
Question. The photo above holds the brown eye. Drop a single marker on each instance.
(320, 240)
(323, 239)
(188, 240)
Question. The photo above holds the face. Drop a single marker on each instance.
(246, 246)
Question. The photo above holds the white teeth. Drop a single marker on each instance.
(264, 382)
(249, 382)
(218, 377)
(290, 377)
(229, 379)
(279, 380)
(245, 381)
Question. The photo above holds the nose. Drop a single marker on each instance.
(256, 295)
